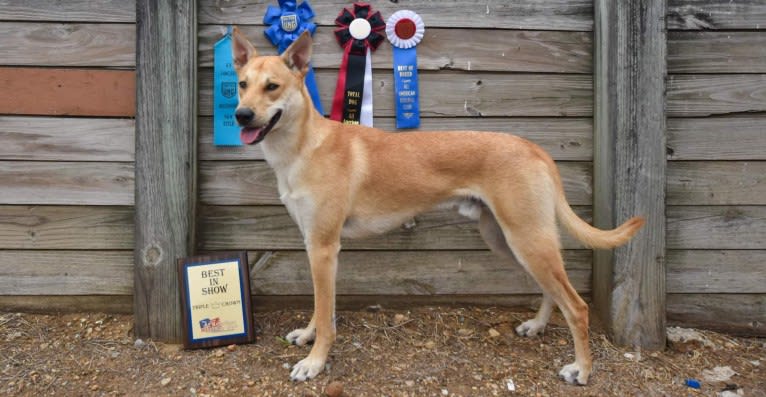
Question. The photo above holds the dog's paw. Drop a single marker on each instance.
(530, 328)
(574, 374)
(306, 369)
(301, 336)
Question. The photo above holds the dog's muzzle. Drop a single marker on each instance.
(252, 135)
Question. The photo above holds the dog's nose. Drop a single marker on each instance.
(244, 116)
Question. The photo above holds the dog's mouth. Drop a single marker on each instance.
(253, 135)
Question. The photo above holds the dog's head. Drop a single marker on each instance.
(270, 87)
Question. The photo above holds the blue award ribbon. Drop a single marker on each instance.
(404, 30)
(225, 99)
(406, 87)
(287, 22)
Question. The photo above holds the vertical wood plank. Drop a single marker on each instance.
(629, 167)
(166, 136)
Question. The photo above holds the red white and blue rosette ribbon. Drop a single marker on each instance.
(287, 22)
(358, 33)
(405, 29)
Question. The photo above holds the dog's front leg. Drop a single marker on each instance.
(323, 257)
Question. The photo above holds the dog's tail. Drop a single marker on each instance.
(589, 235)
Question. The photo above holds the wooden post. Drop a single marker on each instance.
(166, 160)
(629, 167)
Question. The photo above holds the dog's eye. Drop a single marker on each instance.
(272, 87)
(243, 84)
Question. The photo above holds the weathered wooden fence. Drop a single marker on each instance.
(67, 202)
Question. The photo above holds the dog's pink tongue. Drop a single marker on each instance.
(249, 135)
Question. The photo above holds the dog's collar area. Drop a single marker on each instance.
(253, 135)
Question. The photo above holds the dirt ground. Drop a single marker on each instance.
(431, 351)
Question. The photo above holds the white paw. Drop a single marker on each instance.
(572, 373)
(306, 369)
(301, 336)
(531, 327)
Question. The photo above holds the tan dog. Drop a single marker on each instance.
(351, 181)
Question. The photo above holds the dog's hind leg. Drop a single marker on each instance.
(533, 237)
(495, 239)
(536, 326)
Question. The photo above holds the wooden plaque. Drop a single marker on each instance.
(215, 300)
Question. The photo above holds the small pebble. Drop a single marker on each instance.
(493, 333)
(139, 343)
(399, 318)
(430, 344)
(334, 389)
(445, 392)
(464, 332)
(231, 348)
(165, 381)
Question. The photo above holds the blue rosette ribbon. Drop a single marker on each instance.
(404, 30)
(287, 22)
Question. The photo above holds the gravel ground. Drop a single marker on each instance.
(430, 351)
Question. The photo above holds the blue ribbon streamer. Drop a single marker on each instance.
(406, 87)
(287, 22)
(225, 98)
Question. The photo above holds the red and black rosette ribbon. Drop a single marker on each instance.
(360, 31)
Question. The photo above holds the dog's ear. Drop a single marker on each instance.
(241, 49)
(298, 55)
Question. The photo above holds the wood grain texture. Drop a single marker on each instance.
(67, 303)
(716, 227)
(716, 183)
(706, 95)
(254, 183)
(562, 138)
(271, 228)
(70, 183)
(399, 302)
(66, 272)
(67, 92)
(67, 44)
(408, 273)
(166, 162)
(445, 49)
(455, 94)
(716, 14)
(66, 227)
(719, 138)
(629, 167)
(717, 52)
(716, 271)
(263, 303)
(513, 14)
(66, 139)
(69, 10)
(739, 314)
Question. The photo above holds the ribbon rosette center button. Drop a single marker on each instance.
(405, 29)
(360, 28)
